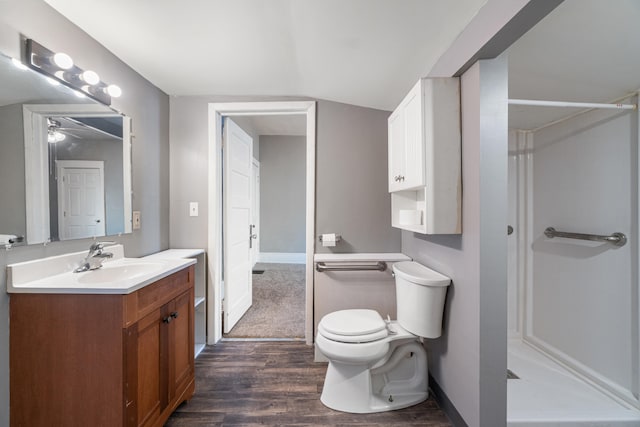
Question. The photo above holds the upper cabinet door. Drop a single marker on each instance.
(406, 147)
(396, 149)
(413, 174)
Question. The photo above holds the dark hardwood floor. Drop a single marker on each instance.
(276, 384)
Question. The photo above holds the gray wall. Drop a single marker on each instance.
(149, 109)
(12, 197)
(282, 193)
(351, 171)
(351, 181)
(469, 361)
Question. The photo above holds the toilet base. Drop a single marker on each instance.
(398, 383)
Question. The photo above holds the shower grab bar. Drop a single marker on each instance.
(379, 266)
(616, 239)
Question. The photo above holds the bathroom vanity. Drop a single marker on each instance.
(113, 349)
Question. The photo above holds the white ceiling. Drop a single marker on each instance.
(361, 52)
(583, 51)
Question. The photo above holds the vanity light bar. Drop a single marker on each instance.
(60, 66)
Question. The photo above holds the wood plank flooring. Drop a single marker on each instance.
(276, 384)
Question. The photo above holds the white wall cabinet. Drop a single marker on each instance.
(424, 158)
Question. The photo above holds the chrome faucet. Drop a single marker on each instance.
(94, 258)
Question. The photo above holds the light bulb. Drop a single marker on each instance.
(63, 60)
(90, 77)
(114, 91)
(18, 64)
(55, 136)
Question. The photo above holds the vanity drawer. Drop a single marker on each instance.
(140, 303)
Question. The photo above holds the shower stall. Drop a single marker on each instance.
(573, 325)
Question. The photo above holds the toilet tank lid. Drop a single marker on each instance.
(418, 273)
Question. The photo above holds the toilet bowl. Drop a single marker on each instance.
(377, 365)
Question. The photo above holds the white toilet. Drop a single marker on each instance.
(377, 365)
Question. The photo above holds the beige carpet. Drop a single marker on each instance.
(278, 304)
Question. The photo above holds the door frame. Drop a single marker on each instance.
(255, 211)
(214, 219)
(61, 165)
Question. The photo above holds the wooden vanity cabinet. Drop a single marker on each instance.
(102, 360)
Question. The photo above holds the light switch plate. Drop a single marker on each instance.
(193, 208)
(136, 220)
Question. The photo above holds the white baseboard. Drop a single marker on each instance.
(283, 257)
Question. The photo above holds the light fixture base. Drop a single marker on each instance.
(40, 59)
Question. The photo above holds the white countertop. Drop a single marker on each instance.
(118, 275)
(176, 253)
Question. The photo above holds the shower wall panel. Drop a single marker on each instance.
(583, 299)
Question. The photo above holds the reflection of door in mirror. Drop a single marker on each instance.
(80, 199)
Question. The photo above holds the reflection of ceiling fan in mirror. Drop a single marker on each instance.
(54, 133)
(58, 128)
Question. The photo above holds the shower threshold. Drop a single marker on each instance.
(547, 394)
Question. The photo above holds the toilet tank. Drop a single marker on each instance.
(420, 296)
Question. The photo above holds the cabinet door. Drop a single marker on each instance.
(396, 149)
(151, 381)
(180, 344)
(413, 173)
(406, 143)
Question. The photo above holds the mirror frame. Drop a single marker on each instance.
(37, 162)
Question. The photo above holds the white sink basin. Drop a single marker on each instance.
(119, 275)
(117, 271)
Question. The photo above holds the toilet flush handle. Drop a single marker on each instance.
(389, 328)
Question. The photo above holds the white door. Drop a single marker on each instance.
(255, 212)
(80, 199)
(238, 154)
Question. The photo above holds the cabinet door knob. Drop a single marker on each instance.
(167, 319)
(174, 314)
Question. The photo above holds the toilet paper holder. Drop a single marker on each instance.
(338, 238)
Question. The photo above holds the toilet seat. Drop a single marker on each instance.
(353, 326)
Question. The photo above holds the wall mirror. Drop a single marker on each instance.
(65, 161)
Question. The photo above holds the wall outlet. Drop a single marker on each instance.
(136, 220)
(193, 208)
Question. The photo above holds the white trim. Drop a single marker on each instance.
(283, 257)
(636, 304)
(37, 162)
(214, 238)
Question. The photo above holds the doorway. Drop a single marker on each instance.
(305, 109)
(277, 306)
